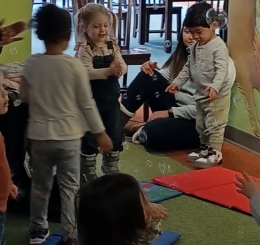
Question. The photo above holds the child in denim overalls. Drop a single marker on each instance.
(101, 56)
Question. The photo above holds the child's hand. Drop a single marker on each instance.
(14, 192)
(212, 93)
(158, 211)
(115, 69)
(104, 142)
(172, 88)
(247, 186)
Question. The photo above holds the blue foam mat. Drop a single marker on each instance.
(158, 193)
(167, 238)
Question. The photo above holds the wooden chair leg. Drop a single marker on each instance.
(136, 16)
(147, 27)
(146, 111)
(162, 24)
(178, 25)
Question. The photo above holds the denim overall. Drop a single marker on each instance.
(106, 93)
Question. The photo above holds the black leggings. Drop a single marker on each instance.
(151, 89)
(163, 134)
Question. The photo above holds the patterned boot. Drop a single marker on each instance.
(88, 167)
(110, 162)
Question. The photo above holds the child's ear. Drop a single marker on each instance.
(214, 25)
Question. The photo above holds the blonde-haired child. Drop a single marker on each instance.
(97, 48)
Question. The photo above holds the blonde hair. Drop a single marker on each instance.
(85, 16)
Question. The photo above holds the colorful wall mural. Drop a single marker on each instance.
(13, 11)
(244, 48)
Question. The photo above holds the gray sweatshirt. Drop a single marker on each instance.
(255, 208)
(207, 66)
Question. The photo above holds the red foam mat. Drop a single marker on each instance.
(214, 184)
(189, 182)
(226, 196)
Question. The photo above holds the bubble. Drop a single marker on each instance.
(17, 102)
(138, 97)
(13, 50)
(54, 170)
(234, 100)
(136, 173)
(162, 167)
(157, 94)
(154, 77)
(218, 15)
(155, 7)
(125, 145)
(167, 43)
(149, 163)
(142, 136)
(125, 96)
(85, 177)
(211, 124)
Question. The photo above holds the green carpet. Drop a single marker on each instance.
(199, 222)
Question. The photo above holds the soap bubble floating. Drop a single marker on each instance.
(13, 50)
(154, 77)
(149, 163)
(138, 97)
(218, 15)
(162, 167)
(167, 43)
(155, 7)
(234, 100)
(126, 145)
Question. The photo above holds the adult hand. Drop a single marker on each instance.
(247, 186)
(8, 33)
(212, 93)
(172, 88)
(159, 114)
(148, 67)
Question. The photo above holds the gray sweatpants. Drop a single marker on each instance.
(44, 156)
(211, 120)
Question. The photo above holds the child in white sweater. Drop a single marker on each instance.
(61, 110)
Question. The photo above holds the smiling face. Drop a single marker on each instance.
(98, 29)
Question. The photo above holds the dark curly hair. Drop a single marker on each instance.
(52, 24)
(196, 15)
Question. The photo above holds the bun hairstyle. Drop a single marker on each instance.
(52, 24)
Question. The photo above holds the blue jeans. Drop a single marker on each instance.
(2, 226)
(44, 156)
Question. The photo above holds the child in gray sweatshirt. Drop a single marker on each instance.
(207, 67)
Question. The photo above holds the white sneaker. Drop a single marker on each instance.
(213, 158)
(201, 152)
(135, 137)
